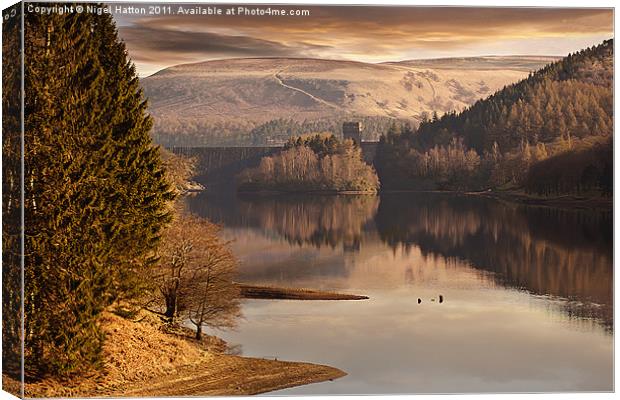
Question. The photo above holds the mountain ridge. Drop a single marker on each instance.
(218, 102)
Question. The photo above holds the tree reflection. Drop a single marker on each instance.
(549, 252)
(563, 253)
(317, 220)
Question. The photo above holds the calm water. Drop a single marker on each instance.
(527, 291)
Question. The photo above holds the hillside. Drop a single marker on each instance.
(561, 117)
(572, 96)
(484, 63)
(221, 102)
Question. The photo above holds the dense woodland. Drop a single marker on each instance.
(318, 162)
(172, 130)
(103, 231)
(561, 115)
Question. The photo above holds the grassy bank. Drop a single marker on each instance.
(147, 358)
(266, 292)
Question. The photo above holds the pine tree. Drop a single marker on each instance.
(96, 197)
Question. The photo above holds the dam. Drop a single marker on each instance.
(219, 166)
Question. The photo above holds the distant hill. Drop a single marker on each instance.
(221, 102)
(572, 96)
(485, 63)
(550, 133)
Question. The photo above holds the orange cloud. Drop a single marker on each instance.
(366, 33)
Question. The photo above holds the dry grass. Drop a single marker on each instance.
(130, 344)
(147, 358)
(133, 352)
(258, 90)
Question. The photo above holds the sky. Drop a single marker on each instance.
(359, 33)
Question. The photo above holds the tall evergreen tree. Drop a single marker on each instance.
(96, 194)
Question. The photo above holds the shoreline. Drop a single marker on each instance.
(146, 357)
(565, 201)
(228, 375)
(516, 197)
(279, 293)
(313, 192)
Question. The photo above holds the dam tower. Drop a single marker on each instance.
(353, 131)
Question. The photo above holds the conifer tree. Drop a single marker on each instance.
(96, 193)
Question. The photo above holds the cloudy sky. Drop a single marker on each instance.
(361, 33)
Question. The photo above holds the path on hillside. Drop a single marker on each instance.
(313, 97)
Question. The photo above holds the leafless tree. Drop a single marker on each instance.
(214, 299)
(195, 274)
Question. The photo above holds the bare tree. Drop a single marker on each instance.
(214, 298)
(195, 274)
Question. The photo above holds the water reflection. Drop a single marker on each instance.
(545, 251)
(526, 290)
(315, 220)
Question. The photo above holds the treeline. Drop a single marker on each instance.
(178, 131)
(97, 199)
(318, 162)
(98, 205)
(564, 107)
(281, 130)
(545, 111)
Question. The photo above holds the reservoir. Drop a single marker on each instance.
(526, 292)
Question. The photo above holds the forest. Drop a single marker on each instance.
(104, 229)
(317, 162)
(560, 116)
(173, 130)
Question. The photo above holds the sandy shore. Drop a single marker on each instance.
(226, 375)
(218, 375)
(143, 358)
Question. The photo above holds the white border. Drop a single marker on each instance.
(488, 3)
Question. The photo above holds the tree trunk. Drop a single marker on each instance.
(170, 307)
(199, 332)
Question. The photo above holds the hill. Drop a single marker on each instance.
(560, 117)
(485, 63)
(266, 100)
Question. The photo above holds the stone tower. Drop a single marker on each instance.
(352, 130)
